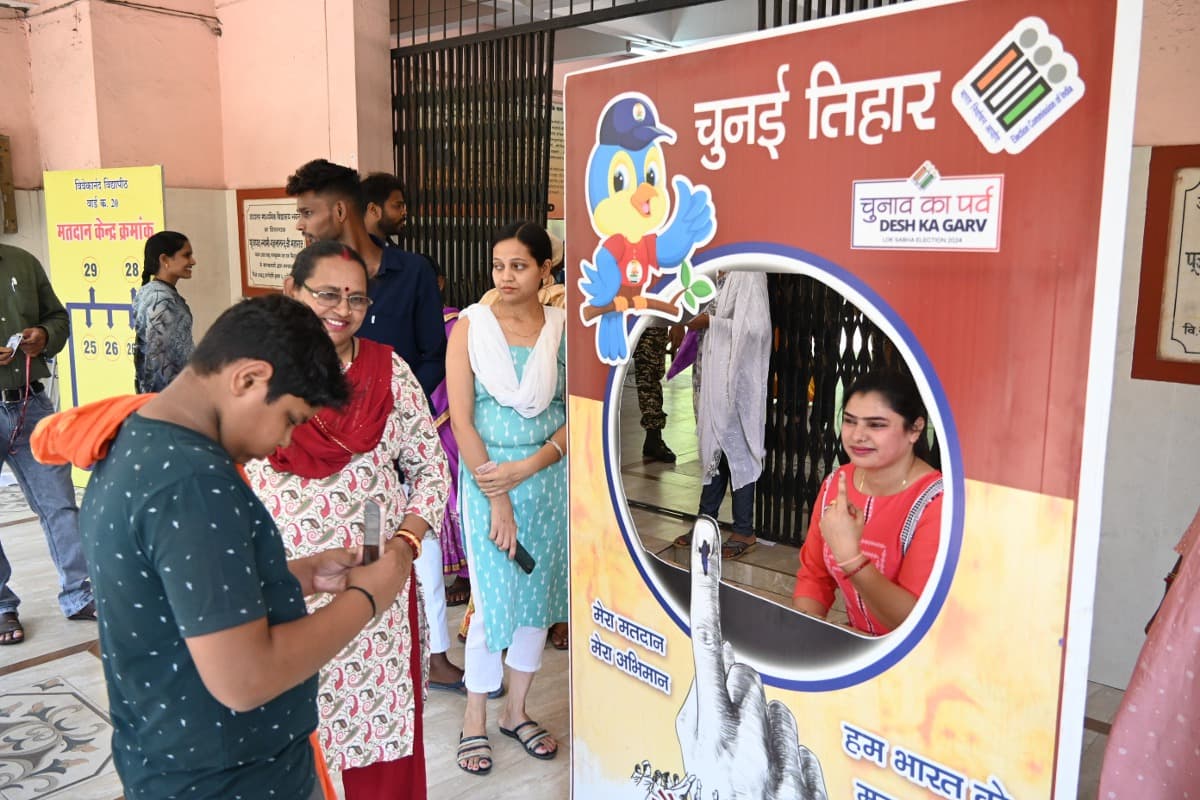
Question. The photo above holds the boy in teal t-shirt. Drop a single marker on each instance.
(209, 656)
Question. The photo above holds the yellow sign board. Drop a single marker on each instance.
(98, 221)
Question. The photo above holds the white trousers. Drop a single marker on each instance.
(482, 668)
(483, 671)
(433, 590)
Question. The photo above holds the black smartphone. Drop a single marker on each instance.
(524, 560)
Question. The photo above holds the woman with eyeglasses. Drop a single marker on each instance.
(317, 488)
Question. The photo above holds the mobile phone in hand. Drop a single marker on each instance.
(524, 560)
(14, 341)
(372, 540)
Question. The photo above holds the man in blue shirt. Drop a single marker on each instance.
(406, 312)
(386, 206)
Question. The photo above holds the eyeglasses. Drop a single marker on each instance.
(357, 302)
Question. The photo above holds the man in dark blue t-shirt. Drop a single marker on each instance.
(386, 203)
(209, 656)
(406, 308)
(404, 293)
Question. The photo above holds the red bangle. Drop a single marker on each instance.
(857, 569)
(413, 541)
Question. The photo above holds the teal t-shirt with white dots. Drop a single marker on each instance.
(179, 546)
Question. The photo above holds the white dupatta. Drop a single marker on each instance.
(493, 365)
(733, 385)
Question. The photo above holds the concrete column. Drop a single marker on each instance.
(303, 79)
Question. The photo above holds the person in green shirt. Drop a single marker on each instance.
(209, 656)
(30, 310)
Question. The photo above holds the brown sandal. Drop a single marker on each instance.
(559, 636)
(736, 548)
(458, 592)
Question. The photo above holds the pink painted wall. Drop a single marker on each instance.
(340, 70)
(1169, 77)
(159, 93)
(173, 68)
(373, 81)
(64, 88)
(16, 101)
(290, 87)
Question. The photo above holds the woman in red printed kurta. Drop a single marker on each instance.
(877, 520)
(371, 695)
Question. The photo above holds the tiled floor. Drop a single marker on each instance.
(54, 732)
(55, 678)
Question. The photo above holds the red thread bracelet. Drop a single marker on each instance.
(850, 560)
(857, 569)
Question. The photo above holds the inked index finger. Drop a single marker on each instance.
(707, 641)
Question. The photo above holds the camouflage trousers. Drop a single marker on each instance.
(649, 366)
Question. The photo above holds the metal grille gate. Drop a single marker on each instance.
(822, 341)
(472, 92)
(472, 139)
(771, 12)
(472, 124)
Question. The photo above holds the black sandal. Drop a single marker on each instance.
(530, 742)
(474, 747)
(10, 626)
(85, 614)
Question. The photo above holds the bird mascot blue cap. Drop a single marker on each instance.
(630, 123)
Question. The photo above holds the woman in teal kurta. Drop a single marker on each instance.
(505, 376)
(511, 597)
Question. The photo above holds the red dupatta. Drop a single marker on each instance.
(326, 443)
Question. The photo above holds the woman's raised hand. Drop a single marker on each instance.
(842, 524)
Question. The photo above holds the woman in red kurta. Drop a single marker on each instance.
(877, 520)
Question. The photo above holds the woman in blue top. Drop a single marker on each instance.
(162, 320)
(506, 378)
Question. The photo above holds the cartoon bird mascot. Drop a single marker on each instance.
(629, 205)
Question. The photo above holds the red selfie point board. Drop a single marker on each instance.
(959, 172)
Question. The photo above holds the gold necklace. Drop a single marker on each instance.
(862, 482)
(513, 331)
